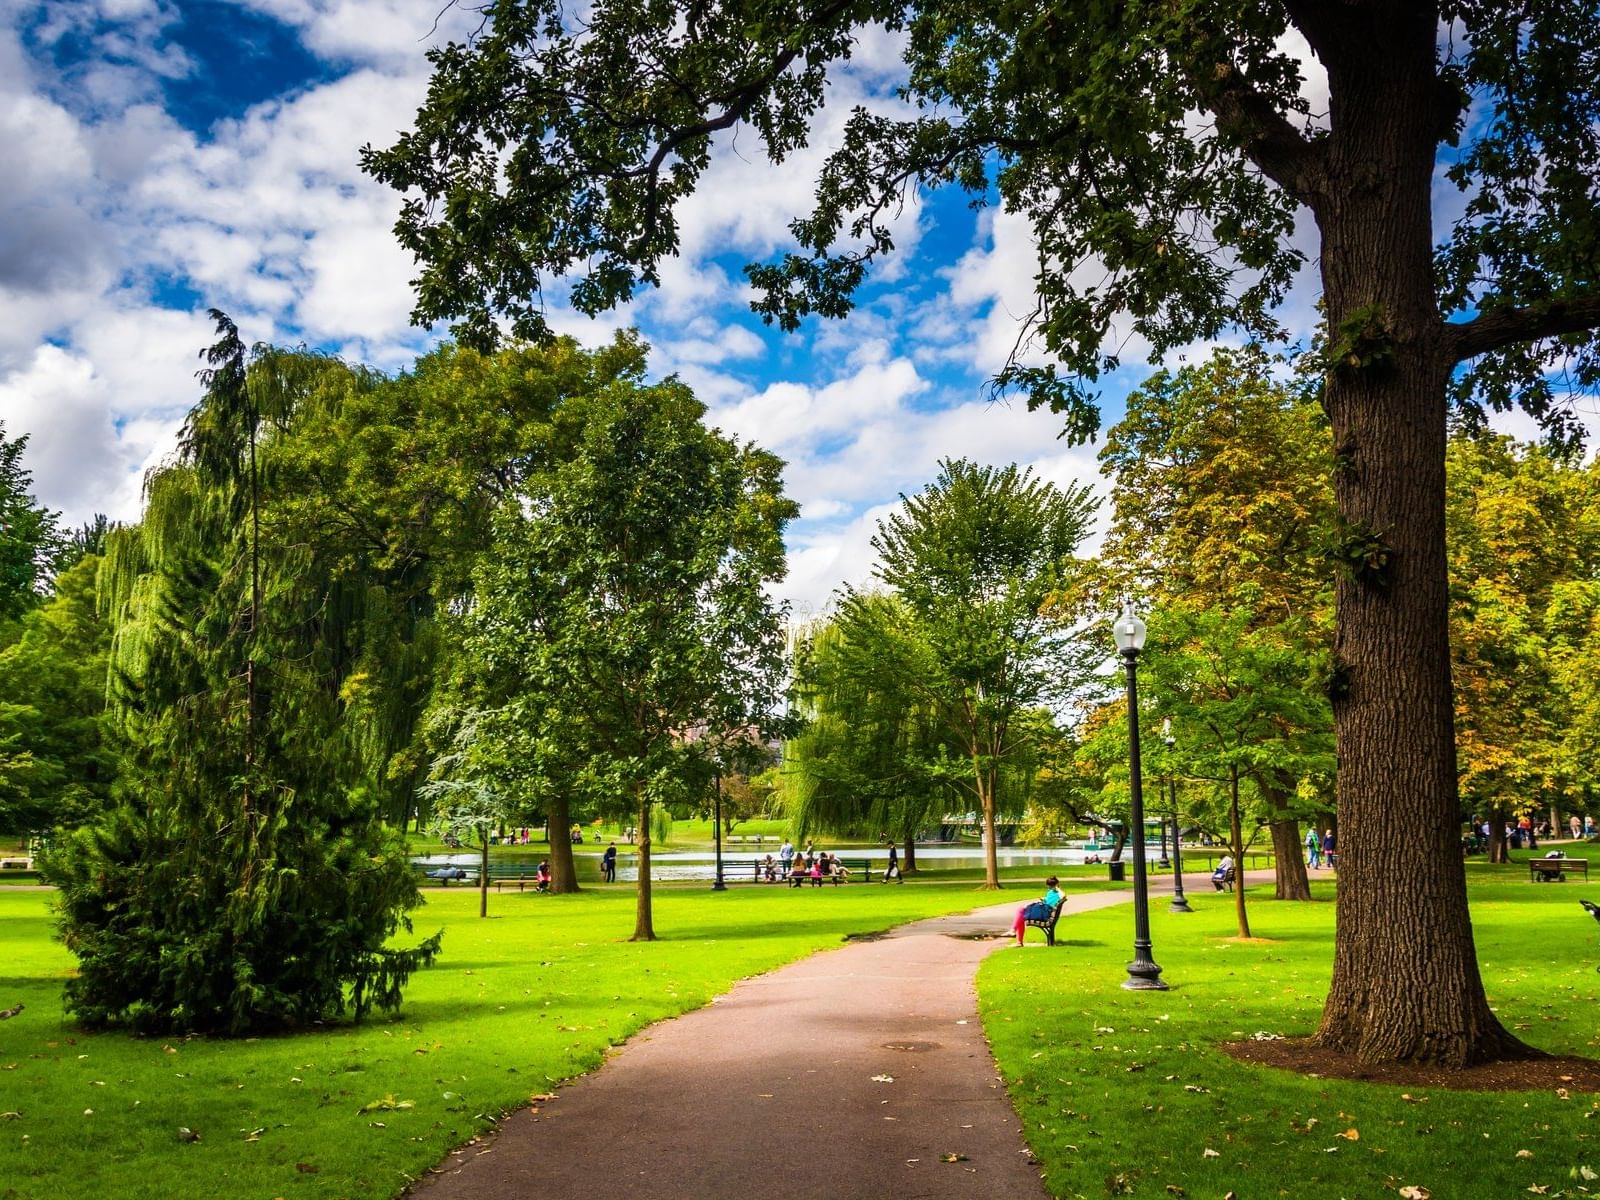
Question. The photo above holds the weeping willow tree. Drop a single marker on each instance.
(246, 881)
(868, 756)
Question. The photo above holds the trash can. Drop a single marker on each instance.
(1118, 870)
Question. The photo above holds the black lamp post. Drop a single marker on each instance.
(1143, 974)
(1180, 902)
(716, 827)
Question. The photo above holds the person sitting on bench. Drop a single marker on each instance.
(1039, 909)
(798, 872)
(1223, 873)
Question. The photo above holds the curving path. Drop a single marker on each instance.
(774, 1088)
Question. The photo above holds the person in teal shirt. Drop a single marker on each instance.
(1039, 909)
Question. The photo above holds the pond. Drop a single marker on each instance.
(701, 864)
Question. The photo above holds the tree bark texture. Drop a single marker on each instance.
(1236, 844)
(1287, 849)
(558, 824)
(483, 872)
(991, 858)
(644, 928)
(1499, 848)
(908, 860)
(1406, 985)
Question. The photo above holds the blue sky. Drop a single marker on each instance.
(165, 157)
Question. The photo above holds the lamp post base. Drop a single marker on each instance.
(1144, 977)
(1180, 904)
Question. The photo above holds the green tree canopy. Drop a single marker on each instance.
(867, 758)
(978, 562)
(56, 768)
(623, 609)
(1224, 520)
(1524, 531)
(28, 537)
(246, 880)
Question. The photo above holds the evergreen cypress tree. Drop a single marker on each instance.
(247, 881)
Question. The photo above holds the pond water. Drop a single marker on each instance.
(736, 859)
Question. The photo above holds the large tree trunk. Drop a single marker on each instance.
(563, 870)
(1406, 985)
(908, 861)
(1288, 851)
(644, 929)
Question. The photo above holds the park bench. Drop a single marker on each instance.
(429, 874)
(521, 874)
(749, 871)
(1552, 870)
(1226, 881)
(16, 864)
(1046, 922)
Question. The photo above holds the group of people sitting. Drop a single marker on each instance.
(802, 868)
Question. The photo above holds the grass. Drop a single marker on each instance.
(516, 1004)
(1124, 1093)
(1120, 1093)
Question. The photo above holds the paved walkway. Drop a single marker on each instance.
(852, 1073)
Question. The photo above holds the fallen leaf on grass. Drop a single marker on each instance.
(10, 1116)
(1410, 1099)
(185, 1134)
(387, 1104)
(1524, 1153)
(1208, 1152)
(883, 1079)
(1538, 1189)
(307, 1168)
(1350, 1135)
(1414, 1193)
(952, 1157)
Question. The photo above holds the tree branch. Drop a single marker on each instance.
(1281, 151)
(1507, 326)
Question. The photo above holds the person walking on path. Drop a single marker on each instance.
(1313, 848)
(894, 865)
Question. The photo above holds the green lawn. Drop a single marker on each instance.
(517, 1003)
(1123, 1093)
